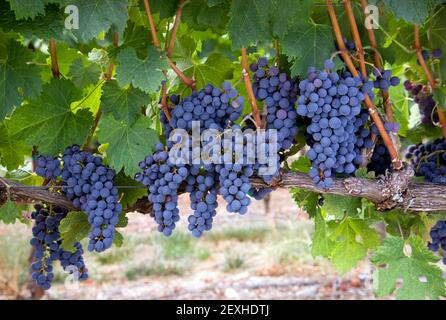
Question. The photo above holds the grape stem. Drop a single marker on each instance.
(151, 24)
(430, 78)
(252, 99)
(53, 55)
(373, 114)
(378, 64)
(176, 24)
(356, 38)
(164, 101)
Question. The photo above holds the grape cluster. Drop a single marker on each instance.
(203, 197)
(333, 103)
(279, 93)
(89, 185)
(48, 167)
(434, 54)
(438, 236)
(163, 179)
(211, 106)
(429, 160)
(260, 193)
(384, 79)
(423, 96)
(216, 109)
(47, 247)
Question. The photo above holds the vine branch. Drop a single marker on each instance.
(419, 197)
(378, 64)
(54, 64)
(151, 24)
(176, 25)
(396, 162)
(430, 78)
(252, 99)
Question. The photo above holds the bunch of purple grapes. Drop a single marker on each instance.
(89, 185)
(384, 79)
(433, 54)
(332, 101)
(423, 96)
(211, 107)
(163, 179)
(279, 93)
(438, 238)
(429, 160)
(47, 248)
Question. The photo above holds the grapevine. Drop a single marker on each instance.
(146, 102)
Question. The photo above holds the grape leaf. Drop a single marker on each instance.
(16, 76)
(128, 144)
(321, 244)
(421, 279)
(400, 108)
(145, 74)
(12, 151)
(200, 16)
(124, 103)
(118, 239)
(306, 200)
(48, 121)
(303, 164)
(65, 57)
(216, 69)
(73, 228)
(341, 205)
(129, 196)
(310, 44)
(351, 238)
(84, 75)
(50, 25)
(9, 212)
(414, 11)
(96, 16)
(26, 8)
(135, 37)
(248, 22)
(165, 8)
(284, 14)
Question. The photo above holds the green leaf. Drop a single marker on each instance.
(306, 200)
(216, 69)
(118, 239)
(96, 16)
(165, 8)
(9, 212)
(129, 196)
(341, 205)
(123, 220)
(310, 44)
(50, 25)
(65, 58)
(84, 75)
(400, 107)
(303, 164)
(145, 74)
(321, 244)
(17, 77)
(421, 279)
(201, 16)
(128, 144)
(73, 228)
(48, 121)
(351, 238)
(27, 8)
(248, 22)
(124, 103)
(414, 11)
(285, 13)
(12, 151)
